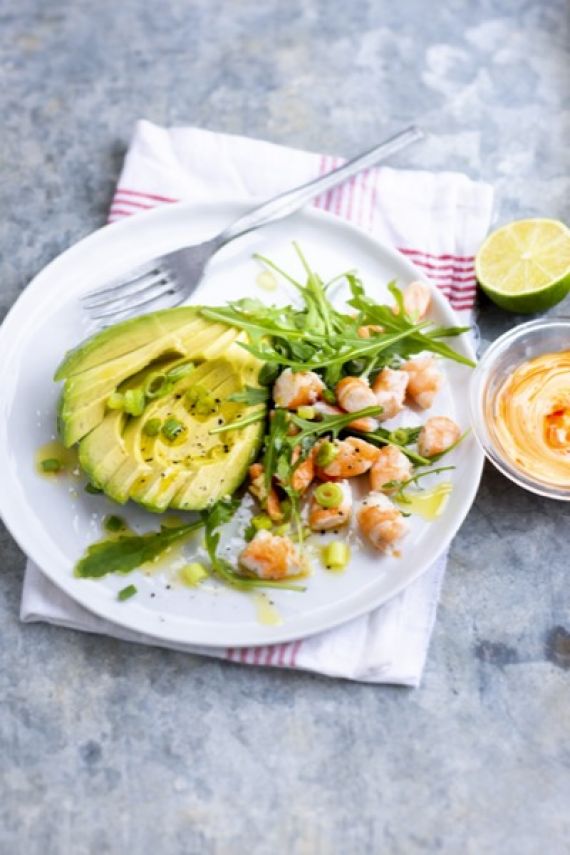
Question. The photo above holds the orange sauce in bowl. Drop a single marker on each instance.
(531, 418)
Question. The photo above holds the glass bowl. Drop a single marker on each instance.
(524, 342)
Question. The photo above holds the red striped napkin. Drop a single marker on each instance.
(436, 219)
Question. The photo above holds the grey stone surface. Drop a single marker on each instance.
(110, 748)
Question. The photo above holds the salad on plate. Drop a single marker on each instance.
(302, 423)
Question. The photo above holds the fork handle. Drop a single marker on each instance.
(290, 201)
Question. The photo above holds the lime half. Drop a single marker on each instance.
(525, 266)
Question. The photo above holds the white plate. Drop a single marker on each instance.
(54, 520)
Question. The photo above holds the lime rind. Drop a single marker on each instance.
(525, 266)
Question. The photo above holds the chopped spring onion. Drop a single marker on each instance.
(262, 522)
(127, 593)
(200, 401)
(283, 530)
(192, 574)
(114, 523)
(336, 555)
(179, 371)
(51, 464)
(156, 386)
(172, 429)
(306, 413)
(134, 402)
(326, 453)
(116, 401)
(329, 495)
(152, 427)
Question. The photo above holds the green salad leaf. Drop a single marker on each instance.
(130, 551)
(251, 395)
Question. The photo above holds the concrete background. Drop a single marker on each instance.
(110, 748)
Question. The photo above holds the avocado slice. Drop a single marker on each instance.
(192, 470)
(90, 379)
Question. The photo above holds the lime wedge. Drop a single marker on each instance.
(525, 266)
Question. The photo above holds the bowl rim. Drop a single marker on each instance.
(477, 388)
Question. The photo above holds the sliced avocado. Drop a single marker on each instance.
(123, 338)
(192, 470)
(86, 392)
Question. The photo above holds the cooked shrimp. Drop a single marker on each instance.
(425, 380)
(366, 424)
(437, 435)
(417, 300)
(390, 390)
(268, 499)
(304, 473)
(353, 393)
(271, 557)
(391, 465)
(368, 330)
(325, 519)
(380, 521)
(294, 390)
(354, 457)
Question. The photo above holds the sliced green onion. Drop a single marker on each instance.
(127, 593)
(51, 464)
(116, 401)
(282, 530)
(114, 523)
(329, 495)
(262, 522)
(179, 371)
(336, 555)
(172, 429)
(326, 453)
(306, 413)
(152, 427)
(156, 386)
(192, 574)
(134, 402)
(200, 401)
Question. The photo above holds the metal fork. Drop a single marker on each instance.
(167, 281)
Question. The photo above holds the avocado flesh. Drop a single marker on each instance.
(124, 338)
(196, 469)
(192, 471)
(86, 392)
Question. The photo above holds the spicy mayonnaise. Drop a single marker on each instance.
(531, 418)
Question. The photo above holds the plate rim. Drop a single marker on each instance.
(105, 610)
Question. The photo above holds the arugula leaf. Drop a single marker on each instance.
(382, 437)
(404, 435)
(258, 416)
(418, 338)
(400, 486)
(435, 457)
(128, 552)
(251, 395)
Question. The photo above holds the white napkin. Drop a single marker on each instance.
(437, 220)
